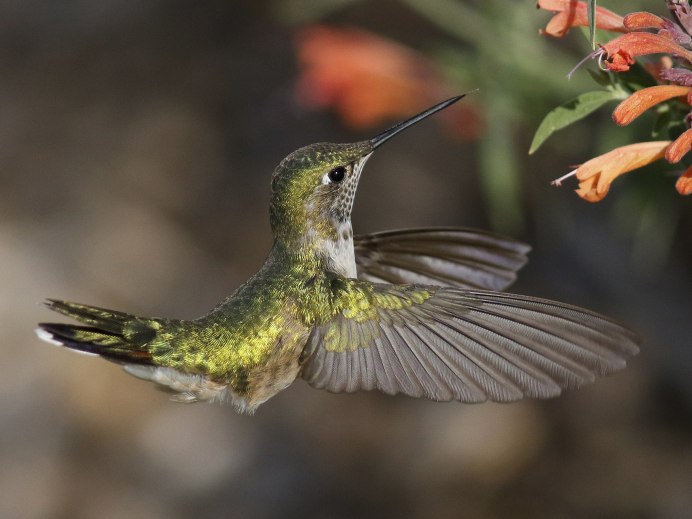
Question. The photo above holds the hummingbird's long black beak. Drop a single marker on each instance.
(388, 134)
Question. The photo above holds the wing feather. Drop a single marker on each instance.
(467, 345)
(469, 378)
(386, 381)
(440, 256)
(400, 361)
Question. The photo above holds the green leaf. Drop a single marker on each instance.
(592, 23)
(601, 77)
(571, 112)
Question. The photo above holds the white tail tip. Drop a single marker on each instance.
(47, 337)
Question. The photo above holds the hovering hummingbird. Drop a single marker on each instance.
(415, 311)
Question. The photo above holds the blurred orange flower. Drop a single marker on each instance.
(368, 79)
(573, 13)
(684, 183)
(596, 175)
(641, 100)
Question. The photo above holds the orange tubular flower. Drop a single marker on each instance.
(663, 26)
(641, 100)
(573, 13)
(643, 20)
(596, 175)
(684, 183)
(618, 54)
(645, 33)
(679, 148)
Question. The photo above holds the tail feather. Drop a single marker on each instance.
(108, 320)
(116, 336)
(135, 342)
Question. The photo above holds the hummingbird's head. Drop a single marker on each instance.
(314, 187)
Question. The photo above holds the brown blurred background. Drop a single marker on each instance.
(137, 141)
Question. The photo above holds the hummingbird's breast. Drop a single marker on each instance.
(251, 343)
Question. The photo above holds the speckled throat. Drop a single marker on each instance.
(344, 202)
(337, 250)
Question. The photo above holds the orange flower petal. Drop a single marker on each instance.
(596, 175)
(554, 5)
(684, 183)
(620, 61)
(558, 25)
(641, 100)
(619, 54)
(663, 26)
(679, 148)
(587, 190)
(573, 13)
(643, 20)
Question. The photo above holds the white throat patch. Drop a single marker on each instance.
(339, 253)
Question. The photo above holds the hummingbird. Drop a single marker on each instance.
(414, 311)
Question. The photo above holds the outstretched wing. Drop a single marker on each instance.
(444, 256)
(452, 344)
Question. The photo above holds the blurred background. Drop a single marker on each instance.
(137, 140)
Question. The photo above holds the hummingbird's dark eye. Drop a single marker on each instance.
(337, 174)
